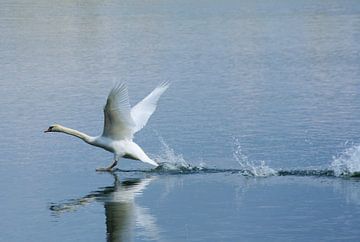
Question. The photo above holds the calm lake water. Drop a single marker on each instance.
(259, 131)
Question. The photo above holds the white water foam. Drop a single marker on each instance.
(248, 167)
(347, 163)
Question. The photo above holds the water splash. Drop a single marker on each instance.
(248, 167)
(347, 163)
(168, 154)
(171, 162)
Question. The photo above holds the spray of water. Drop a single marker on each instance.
(344, 165)
(248, 167)
(347, 163)
(170, 161)
(168, 155)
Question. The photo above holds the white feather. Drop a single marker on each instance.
(118, 123)
(142, 111)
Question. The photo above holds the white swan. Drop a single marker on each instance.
(120, 124)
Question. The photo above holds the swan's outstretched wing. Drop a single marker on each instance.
(142, 111)
(118, 123)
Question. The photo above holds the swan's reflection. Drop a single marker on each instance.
(121, 211)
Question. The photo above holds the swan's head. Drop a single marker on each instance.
(53, 128)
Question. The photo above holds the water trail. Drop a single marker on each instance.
(347, 163)
(248, 167)
(172, 163)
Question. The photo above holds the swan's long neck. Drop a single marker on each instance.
(73, 132)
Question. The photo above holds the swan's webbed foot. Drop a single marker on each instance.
(109, 168)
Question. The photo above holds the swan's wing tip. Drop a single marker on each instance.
(165, 84)
(118, 88)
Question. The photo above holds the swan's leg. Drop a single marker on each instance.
(109, 168)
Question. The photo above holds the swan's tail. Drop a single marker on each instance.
(137, 153)
(151, 162)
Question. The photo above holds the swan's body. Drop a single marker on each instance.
(120, 124)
